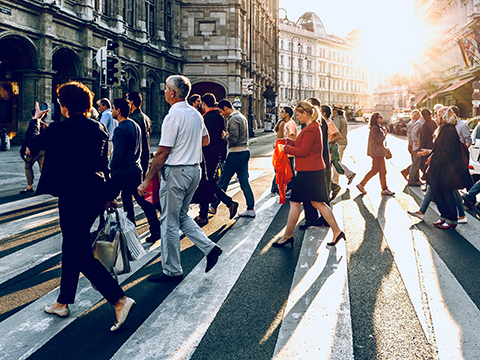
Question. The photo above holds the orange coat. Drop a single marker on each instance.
(283, 171)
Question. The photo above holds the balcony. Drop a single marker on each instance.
(434, 10)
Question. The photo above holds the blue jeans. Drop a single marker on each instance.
(472, 193)
(429, 195)
(237, 162)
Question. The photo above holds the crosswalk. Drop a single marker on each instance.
(396, 289)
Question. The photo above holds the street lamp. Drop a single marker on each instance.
(250, 109)
(300, 64)
(291, 66)
(276, 61)
(329, 77)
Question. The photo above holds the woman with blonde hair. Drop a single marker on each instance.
(446, 172)
(377, 151)
(310, 167)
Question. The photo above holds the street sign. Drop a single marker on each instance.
(476, 103)
(237, 104)
(101, 56)
(476, 96)
(247, 86)
(476, 84)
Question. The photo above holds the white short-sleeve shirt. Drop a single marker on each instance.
(182, 131)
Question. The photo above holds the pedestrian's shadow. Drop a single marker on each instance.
(367, 268)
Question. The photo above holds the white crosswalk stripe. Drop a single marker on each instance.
(321, 310)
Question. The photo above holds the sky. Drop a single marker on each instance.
(388, 26)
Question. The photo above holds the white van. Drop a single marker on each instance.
(386, 110)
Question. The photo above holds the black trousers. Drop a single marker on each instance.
(219, 193)
(77, 214)
(128, 185)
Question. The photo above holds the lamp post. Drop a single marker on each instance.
(276, 61)
(291, 67)
(300, 64)
(329, 77)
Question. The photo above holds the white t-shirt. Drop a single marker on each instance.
(182, 131)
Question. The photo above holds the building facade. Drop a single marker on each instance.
(44, 43)
(331, 69)
(450, 60)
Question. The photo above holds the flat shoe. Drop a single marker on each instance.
(129, 303)
(62, 312)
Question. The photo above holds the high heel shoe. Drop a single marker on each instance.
(337, 239)
(289, 241)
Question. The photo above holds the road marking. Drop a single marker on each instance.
(317, 321)
(176, 327)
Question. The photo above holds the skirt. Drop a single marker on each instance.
(309, 186)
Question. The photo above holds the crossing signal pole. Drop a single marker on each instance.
(113, 65)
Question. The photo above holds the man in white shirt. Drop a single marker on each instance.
(106, 118)
(178, 156)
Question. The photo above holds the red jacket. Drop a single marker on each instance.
(307, 149)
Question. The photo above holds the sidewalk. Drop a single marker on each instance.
(12, 175)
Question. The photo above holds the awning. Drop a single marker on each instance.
(439, 91)
(458, 84)
(419, 98)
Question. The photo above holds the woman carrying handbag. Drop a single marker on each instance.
(377, 151)
(76, 171)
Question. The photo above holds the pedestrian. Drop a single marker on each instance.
(425, 143)
(333, 136)
(76, 171)
(410, 124)
(195, 100)
(285, 112)
(426, 137)
(377, 151)
(290, 132)
(134, 99)
(447, 168)
(237, 158)
(32, 155)
(126, 168)
(413, 175)
(211, 154)
(104, 108)
(341, 124)
(311, 213)
(179, 154)
(309, 182)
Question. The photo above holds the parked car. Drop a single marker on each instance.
(474, 150)
(398, 124)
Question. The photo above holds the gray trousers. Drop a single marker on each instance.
(413, 176)
(29, 162)
(176, 191)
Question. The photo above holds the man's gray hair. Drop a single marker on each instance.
(180, 84)
(416, 111)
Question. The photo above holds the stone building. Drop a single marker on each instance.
(44, 43)
(331, 69)
(446, 30)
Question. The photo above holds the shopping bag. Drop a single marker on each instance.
(127, 228)
(152, 191)
(110, 248)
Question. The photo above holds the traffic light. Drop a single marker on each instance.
(112, 69)
(111, 45)
(123, 77)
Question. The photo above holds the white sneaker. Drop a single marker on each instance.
(462, 220)
(212, 210)
(417, 214)
(350, 178)
(247, 213)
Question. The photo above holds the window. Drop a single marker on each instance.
(128, 7)
(168, 21)
(101, 6)
(281, 44)
(281, 60)
(309, 64)
(150, 7)
(309, 50)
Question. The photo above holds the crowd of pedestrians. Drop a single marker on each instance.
(201, 138)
